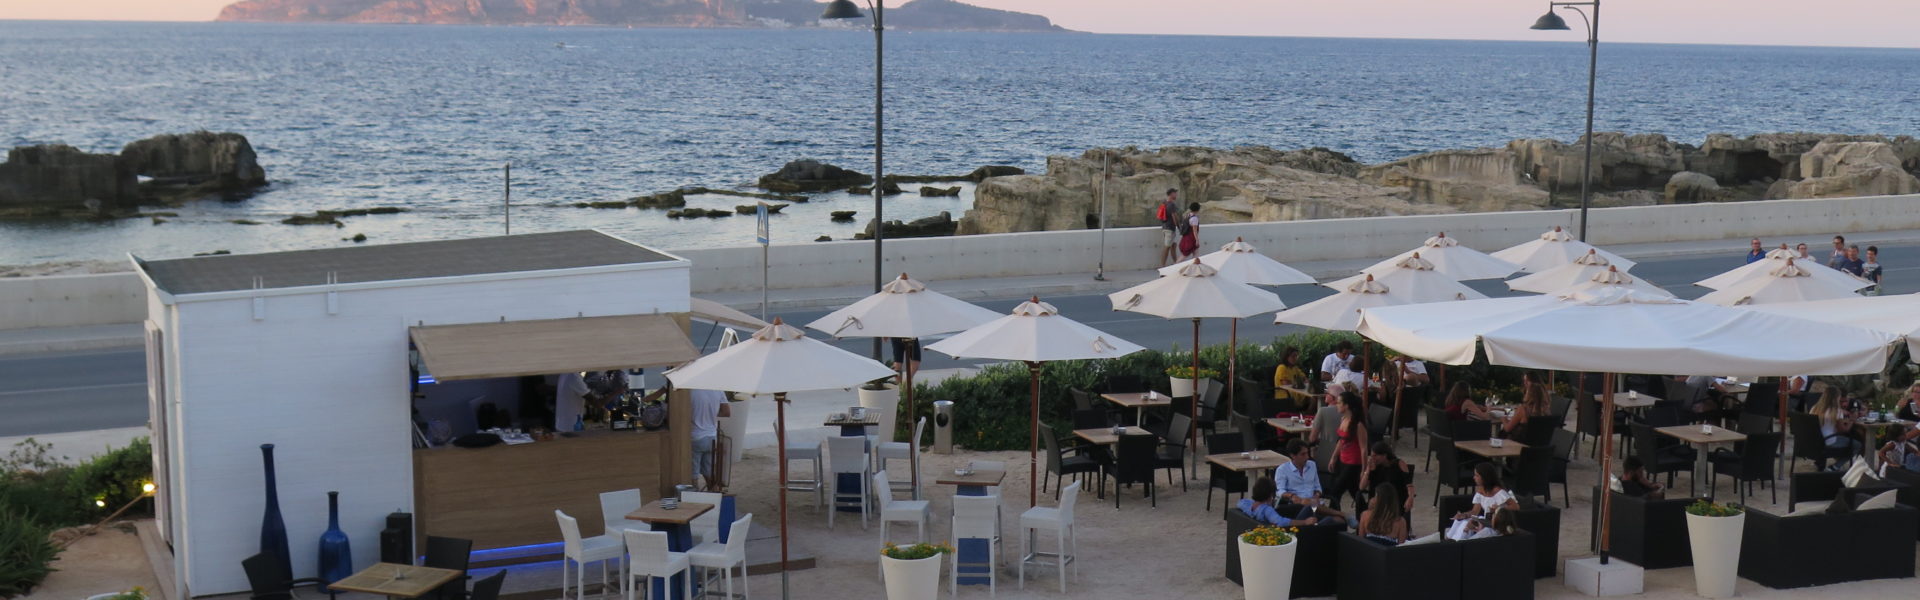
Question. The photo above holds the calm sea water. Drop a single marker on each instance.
(351, 116)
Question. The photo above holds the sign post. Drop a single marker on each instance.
(764, 235)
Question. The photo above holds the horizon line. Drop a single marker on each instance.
(1603, 41)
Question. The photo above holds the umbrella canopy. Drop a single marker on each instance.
(1624, 331)
(1451, 259)
(1775, 259)
(1613, 278)
(1415, 280)
(1898, 315)
(778, 358)
(1789, 282)
(1240, 261)
(1578, 274)
(903, 308)
(1555, 248)
(1034, 332)
(1196, 291)
(1341, 311)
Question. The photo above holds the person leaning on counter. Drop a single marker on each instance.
(570, 396)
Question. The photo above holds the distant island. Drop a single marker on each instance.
(924, 15)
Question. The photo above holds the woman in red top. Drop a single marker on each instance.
(1460, 404)
(1350, 451)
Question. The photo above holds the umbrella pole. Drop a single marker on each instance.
(1193, 402)
(1233, 358)
(1399, 395)
(1781, 399)
(1033, 436)
(1366, 371)
(780, 429)
(1606, 465)
(913, 444)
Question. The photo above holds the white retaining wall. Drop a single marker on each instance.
(116, 298)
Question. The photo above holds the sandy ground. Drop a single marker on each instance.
(108, 561)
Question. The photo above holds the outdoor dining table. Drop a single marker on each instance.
(677, 524)
(1104, 436)
(1139, 402)
(1485, 449)
(972, 550)
(1630, 400)
(1289, 425)
(850, 426)
(396, 580)
(1258, 460)
(1694, 434)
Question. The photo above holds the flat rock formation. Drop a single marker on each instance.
(1256, 183)
(944, 15)
(61, 181)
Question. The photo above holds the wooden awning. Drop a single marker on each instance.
(516, 348)
(715, 312)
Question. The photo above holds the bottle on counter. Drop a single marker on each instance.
(579, 423)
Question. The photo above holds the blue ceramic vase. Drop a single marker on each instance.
(336, 556)
(273, 529)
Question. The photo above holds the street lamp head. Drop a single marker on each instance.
(1549, 21)
(846, 9)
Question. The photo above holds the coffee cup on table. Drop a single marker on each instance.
(1706, 428)
(1497, 442)
(1246, 455)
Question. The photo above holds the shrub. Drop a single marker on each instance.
(26, 553)
(1187, 372)
(915, 552)
(1704, 508)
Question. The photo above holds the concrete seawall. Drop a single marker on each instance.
(117, 298)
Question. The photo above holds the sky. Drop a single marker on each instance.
(1884, 23)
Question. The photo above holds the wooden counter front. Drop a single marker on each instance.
(503, 496)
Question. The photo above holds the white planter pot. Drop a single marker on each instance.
(883, 403)
(1181, 387)
(736, 427)
(1266, 572)
(1716, 553)
(911, 579)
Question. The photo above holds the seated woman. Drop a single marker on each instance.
(1902, 451)
(1909, 407)
(1460, 405)
(1635, 482)
(1836, 424)
(1503, 523)
(1488, 497)
(1263, 506)
(1383, 522)
(1388, 469)
(1533, 405)
(1289, 374)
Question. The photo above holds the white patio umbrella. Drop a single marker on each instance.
(1034, 333)
(1589, 273)
(1242, 262)
(1788, 282)
(1774, 260)
(1555, 248)
(1196, 291)
(776, 360)
(904, 308)
(1898, 315)
(1452, 259)
(1621, 330)
(1416, 280)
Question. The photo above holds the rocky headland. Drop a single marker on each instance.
(1256, 183)
(57, 180)
(927, 15)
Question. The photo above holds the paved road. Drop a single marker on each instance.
(82, 391)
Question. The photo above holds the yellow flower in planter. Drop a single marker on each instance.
(1269, 536)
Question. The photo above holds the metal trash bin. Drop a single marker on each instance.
(943, 427)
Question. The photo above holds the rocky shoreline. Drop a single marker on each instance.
(60, 181)
(1257, 183)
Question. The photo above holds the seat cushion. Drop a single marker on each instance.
(799, 451)
(710, 554)
(601, 547)
(904, 509)
(1811, 508)
(900, 450)
(1040, 516)
(1882, 500)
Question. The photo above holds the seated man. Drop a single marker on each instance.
(1297, 485)
(1266, 509)
(1337, 361)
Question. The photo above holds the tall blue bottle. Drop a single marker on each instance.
(273, 529)
(336, 556)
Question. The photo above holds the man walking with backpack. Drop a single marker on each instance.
(1169, 216)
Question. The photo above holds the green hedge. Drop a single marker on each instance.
(991, 407)
(40, 493)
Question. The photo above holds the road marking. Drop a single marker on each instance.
(72, 389)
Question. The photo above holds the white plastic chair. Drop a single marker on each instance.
(916, 512)
(580, 551)
(650, 557)
(614, 508)
(848, 454)
(715, 555)
(908, 451)
(810, 453)
(976, 517)
(1060, 521)
(706, 527)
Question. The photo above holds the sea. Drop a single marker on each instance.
(428, 117)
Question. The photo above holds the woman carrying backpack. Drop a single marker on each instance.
(1189, 230)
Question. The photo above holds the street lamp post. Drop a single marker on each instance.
(1552, 21)
(846, 9)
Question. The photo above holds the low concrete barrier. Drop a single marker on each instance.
(75, 300)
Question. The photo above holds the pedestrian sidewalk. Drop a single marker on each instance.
(1077, 284)
(42, 340)
(76, 446)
